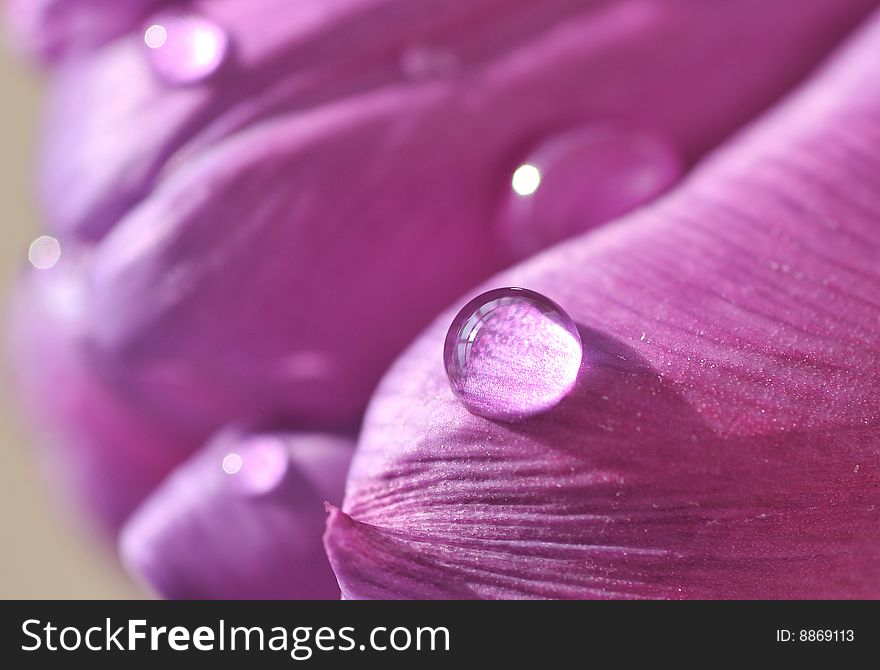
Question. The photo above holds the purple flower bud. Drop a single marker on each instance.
(723, 439)
(242, 519)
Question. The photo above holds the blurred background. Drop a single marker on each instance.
(44, 553)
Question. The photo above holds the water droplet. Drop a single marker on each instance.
(260, 465)
(44, 252)
(185, 48)
(512, 353)
(424, 62)
(581, 178)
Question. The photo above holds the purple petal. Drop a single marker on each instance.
(242, 519)
(332, 164)
(724, 439)
(106, 450)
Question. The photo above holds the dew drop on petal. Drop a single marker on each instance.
(427, 62)
(44, 252)
(512, 353)
(580, 178)
(259, 465)
(185, 48)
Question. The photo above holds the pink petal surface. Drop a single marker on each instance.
(241, 519)
(725, 436)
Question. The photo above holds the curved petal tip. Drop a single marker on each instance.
(242, 519)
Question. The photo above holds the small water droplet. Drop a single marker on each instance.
(580, 178)
(44, 252)
(512, 353)
(184, 47)
(260, 465)
(425, 62)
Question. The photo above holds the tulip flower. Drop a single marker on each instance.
(723, 440)
(260, 203)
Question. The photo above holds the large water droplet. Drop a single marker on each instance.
(581, 178)
(512, 353)
(185, 48)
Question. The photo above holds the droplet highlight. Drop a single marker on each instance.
(185, 48)
(581, 178)
(526, 179)
(44, 252)
(512, 353)
(231, 464)
(155, 36)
